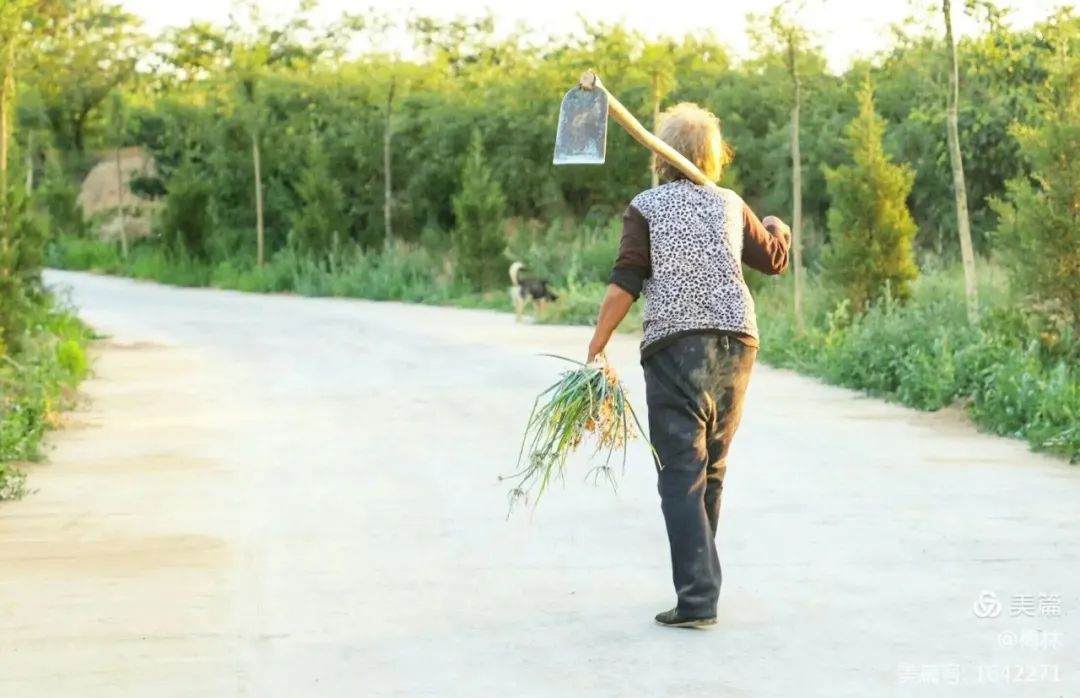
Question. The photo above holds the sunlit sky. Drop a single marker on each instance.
(844, 28)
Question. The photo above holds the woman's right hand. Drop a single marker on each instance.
(776, 226)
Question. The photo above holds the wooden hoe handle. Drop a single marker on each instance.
(590, 81)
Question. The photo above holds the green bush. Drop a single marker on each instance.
(318, 223)
(12, 481)
(479, 211)
(925, 354)
(32, 388)
(871, 230)
(152, 263)
(85, 254)
(185, 223)
(276, 276)
(1039, 230)
(21, 241)
(565, 251)
(58, 199)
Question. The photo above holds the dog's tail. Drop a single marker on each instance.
(515, 269)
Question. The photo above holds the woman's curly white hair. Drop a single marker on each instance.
(694, 132)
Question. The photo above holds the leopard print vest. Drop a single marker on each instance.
(695, 246)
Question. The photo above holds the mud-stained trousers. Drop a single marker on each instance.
(694, 391)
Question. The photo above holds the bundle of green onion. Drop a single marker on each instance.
(588, 399)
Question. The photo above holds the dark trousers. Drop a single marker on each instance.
(694, 391)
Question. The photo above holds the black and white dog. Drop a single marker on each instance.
(524, 290)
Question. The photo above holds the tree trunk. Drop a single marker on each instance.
(388, 191)
(120, 206)
(29, 163)
(655, 125)
(796, 187)
(78, 135)
(7, 95)
(963, 223)
(260, 255)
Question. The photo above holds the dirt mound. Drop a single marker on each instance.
(102, 193)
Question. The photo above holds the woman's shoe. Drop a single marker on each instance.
(677, 619)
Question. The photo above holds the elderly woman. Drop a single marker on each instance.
(683, 247)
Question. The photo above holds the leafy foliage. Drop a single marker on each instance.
(21, 241)
(185, 221)
(1039, 232)
(479, 210)
(925, 354)
(82, 53)
(34, 385)
(871, 230)
(318, 223)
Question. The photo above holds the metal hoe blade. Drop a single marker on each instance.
(581, 138)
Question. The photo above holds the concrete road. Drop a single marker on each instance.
(273, 496)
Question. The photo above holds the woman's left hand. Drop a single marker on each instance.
(613, 309)
(595, 349)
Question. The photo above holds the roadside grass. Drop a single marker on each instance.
(35, 385)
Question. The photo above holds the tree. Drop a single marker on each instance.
(21, 238)
(7, 96)
(82, 55)
(318, 223)
(13, 18)
(479, 209)
(185, 219)
(658, 60)
(33, 130)
(379, 26)
(456, 46)
(388, 136)
(21, 234)
(956, 159)
(785, 27)
(117, 120)
(871, 230)
(256, 48)
(190, 54)
(250, 60)
(796, 177)
(1039, 231)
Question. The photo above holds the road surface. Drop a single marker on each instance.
(272, 496)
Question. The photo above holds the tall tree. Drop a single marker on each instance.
(657, 59)
(13, 17)
(389, 64)
(190, 54)
(82, 55)
(33, 129)
(870, 227)
(963, 222)
(256, 48)
(7, 96)
(785, 25)
(388, 137)
(21, 240)
(319, 223)
(253, 48)
(249, 62)
(117, 120)
(479, 209)
(1039, 231)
